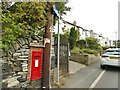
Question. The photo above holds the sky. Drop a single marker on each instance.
(101, 16)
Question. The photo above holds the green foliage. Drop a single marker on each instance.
(75, 50)
(93, 43)
(22, 20)
(30, 13)
(88, 51)
(119, 44)
(61, 7)
(90, 43)
(81, 44)
(12, 31)
(73, 37)
(89, 46)
(66, 32)
(63, 39)
(105, 47)
(25, 20)
(81, 51)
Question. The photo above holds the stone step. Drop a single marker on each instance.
(20, 59)
(26, 53)
(22, 50)
(18, 51)
(23, 56)
(3, 61)
(12, 59)
(4, 58)
(16, 54)
(25, 46)
(21, 73)
(24, 62)
(25, 69)
(24, 65)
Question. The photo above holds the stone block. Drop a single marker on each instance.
(20, 59)
(14, 83)
(23, 56)
(26, 53)
(24, 65)
(24, 69)
(25, 45)
(20, 73)
(16, 54)
(9, 80)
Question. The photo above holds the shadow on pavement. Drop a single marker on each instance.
(112, 68)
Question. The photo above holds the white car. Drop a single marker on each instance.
(111, 57)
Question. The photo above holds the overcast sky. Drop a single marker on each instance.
(101, 16)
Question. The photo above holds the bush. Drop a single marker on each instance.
(81, 44)
(75, 50)
(93, 43)
(89, 43)
(88, 51)
(105, 47)
(81, 51)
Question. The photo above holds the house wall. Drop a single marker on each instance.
(89, 33)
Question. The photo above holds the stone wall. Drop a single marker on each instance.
(14, 69)
(92, 59)
(84, 59)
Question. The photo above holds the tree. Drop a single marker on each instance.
(73, 37)
(23, 20)
(92, 43)
(30, 17)
(62, 8)
(81, 44)
(26, 20)
(118, 43)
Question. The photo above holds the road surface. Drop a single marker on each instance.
(93, 76)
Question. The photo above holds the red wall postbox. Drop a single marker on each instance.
(36, 67)
(35, 63)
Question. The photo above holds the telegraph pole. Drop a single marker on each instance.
(52, 27)
(46, 55)
(47, 49)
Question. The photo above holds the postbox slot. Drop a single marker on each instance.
(37, 56)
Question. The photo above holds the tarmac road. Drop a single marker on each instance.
(93, 76)
(110, 79)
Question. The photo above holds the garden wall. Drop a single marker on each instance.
(84, 59)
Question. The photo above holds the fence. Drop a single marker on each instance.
(63, 61)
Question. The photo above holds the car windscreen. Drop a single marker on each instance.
(112, 52)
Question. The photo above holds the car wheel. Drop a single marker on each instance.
(102, 66)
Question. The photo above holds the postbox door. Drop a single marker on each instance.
(36, 65)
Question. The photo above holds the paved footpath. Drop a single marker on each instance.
(75, 67)
(82, 77)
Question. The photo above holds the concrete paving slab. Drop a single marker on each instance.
(74, 67)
